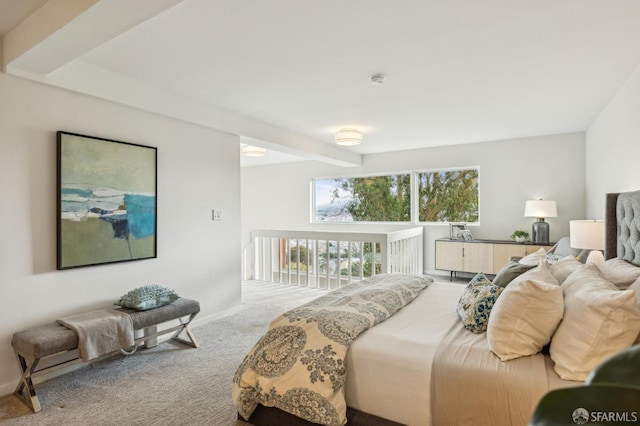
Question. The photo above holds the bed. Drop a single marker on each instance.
(421, 366)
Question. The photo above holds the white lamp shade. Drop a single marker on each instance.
(586, 234)
(253, 151)
(540, 208)
(348, 137)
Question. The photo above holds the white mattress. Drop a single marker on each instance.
(391, 378)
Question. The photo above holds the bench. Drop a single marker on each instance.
(33, 345)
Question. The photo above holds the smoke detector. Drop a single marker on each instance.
(377, 79)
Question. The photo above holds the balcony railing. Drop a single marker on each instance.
(330, 260)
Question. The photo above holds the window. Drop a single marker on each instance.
(440, 196)
(448, 195)
(384, 198)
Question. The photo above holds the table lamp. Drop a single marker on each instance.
(540, 209)
(588, 235)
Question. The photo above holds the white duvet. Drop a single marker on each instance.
(389, 369)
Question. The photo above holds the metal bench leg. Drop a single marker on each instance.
(151, 334)
(185, 327)
(25, 390)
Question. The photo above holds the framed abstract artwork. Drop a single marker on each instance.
(106, 201)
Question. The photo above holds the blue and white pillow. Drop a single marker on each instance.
(148, 297)
(476, 303)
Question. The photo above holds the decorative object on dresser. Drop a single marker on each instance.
(455, 230)
(466, 235)
(588, 235)
(520, 236)
(540, 209)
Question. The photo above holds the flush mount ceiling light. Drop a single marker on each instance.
(348, 137)
(253, 151)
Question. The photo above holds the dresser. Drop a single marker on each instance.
(488, 256)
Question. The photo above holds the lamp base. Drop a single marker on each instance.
(540, 232)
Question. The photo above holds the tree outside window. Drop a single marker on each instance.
(448, 196)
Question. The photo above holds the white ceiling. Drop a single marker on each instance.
(457, 71)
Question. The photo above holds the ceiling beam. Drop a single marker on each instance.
(63, 30)
(93, 80)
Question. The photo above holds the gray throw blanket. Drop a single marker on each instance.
(100, 332)
(299, 365)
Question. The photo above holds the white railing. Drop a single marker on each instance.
(332, 259)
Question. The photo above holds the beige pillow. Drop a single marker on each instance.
(534, 258)
(526, 314)
(599, 320)
(620, 272)
(565, 267)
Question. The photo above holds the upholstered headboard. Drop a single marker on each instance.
(622, 225)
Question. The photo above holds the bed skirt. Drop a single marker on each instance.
(271, 416)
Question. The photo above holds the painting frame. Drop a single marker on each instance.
(106, 201)
(455, 230)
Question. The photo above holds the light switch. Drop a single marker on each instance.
(216, 214)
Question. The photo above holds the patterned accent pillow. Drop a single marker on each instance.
(148, 297)
(476, 303)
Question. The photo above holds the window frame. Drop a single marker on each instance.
(413, 188)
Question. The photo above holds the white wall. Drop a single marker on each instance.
(613, 148)
(198, 170)
(511, 171)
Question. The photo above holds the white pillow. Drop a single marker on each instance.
(534, 258)
(526, 314)
(620, 272)
(599, 320)
(565, 267)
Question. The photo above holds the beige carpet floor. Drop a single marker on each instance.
(171, 384)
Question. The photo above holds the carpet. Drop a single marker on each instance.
(170, 384)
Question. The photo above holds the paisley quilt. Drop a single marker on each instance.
(298, 366)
